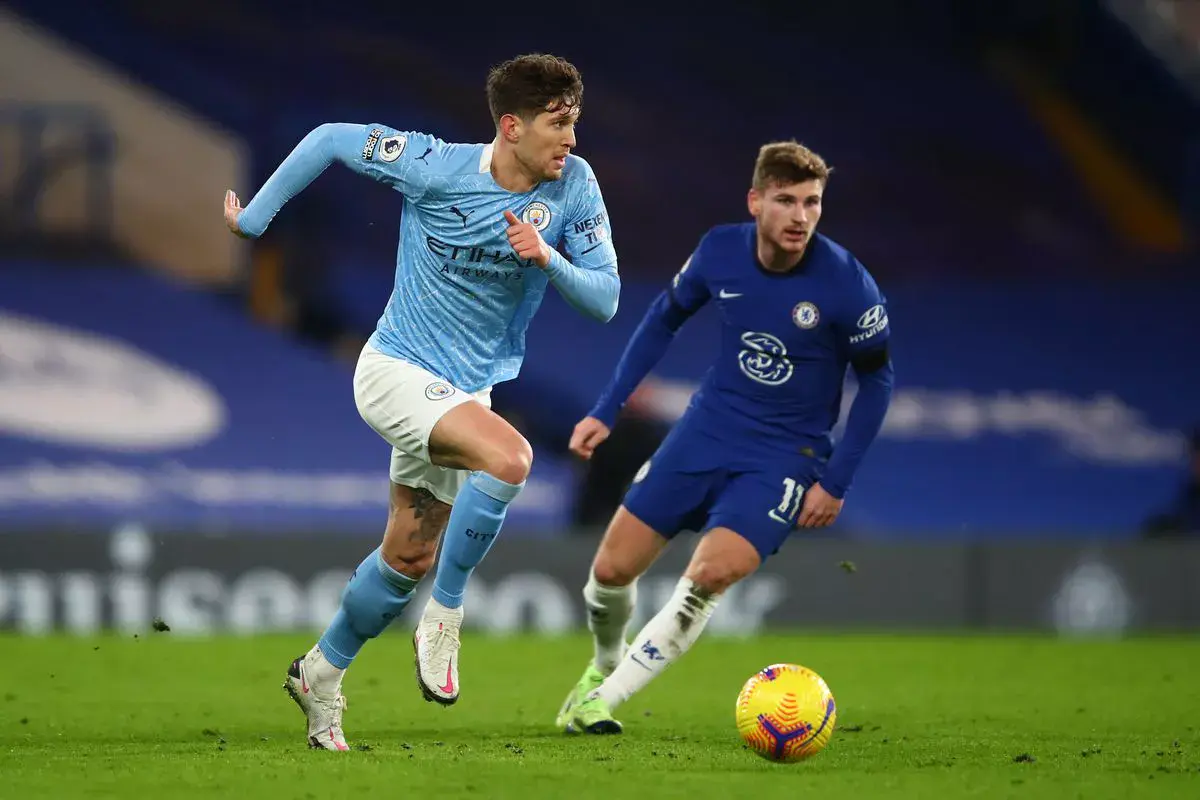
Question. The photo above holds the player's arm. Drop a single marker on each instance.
(865, 332)
(666, 315)
(347, 143)
(685, 296)
(591, 291)
(595, 292)
(589, 280)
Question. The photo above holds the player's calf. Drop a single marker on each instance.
(610, 595)
(416, 520)
(609, 609)
(722, 559)
(474, 524)
(663, 640)
(628, 549)
(468, 437)
(471, 437)
(376, 593)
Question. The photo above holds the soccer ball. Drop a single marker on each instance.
(786, 712)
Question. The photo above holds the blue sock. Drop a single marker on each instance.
(474, 524)
(375, 595)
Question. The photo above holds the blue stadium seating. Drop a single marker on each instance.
(939, 170)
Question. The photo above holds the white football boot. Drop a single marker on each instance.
(315, 685)
(435, 648)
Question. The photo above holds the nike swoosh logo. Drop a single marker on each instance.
(449, 687)
(303, 680)
(727, 295)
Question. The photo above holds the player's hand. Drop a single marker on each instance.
(526, 241)
(589, 434)
(819, 508)
(233, 210)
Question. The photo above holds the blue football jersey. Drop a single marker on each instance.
(786, 341)
(462, 299)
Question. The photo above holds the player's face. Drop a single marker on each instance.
(545, 142)
(787, 216)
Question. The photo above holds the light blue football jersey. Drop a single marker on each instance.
(462, 300)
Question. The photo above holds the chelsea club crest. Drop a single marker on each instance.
(806, 315)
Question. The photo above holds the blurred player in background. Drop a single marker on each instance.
(752, 457)
(1182, 518)
(473, 264)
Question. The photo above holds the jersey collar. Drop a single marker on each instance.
(485, 158)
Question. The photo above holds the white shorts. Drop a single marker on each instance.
(402, 402)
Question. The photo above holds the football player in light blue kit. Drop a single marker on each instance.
(478, 234)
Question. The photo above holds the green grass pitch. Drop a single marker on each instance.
(159, 716)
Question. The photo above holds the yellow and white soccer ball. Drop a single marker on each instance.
(786, 712)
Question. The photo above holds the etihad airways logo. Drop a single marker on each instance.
(477, 262)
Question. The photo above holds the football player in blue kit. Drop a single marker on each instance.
(478, 236)
(752, 458)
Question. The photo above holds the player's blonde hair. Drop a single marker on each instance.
(787, 163)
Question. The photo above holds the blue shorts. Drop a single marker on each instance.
(695, 482)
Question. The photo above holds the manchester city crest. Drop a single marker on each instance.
(537, 214)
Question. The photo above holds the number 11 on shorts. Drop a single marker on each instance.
(788, 507)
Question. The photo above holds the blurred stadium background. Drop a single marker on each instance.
(178, 437)
(1009, 601)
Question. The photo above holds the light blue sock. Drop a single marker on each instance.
(375, 595)
(474, 524)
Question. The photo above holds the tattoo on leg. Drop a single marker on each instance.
(430, 525)
(422, 501)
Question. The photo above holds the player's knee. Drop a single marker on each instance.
(512, 462)
(712, 576)
(610, 571)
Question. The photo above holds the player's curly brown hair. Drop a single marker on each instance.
(788, 162)
(530, 84)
